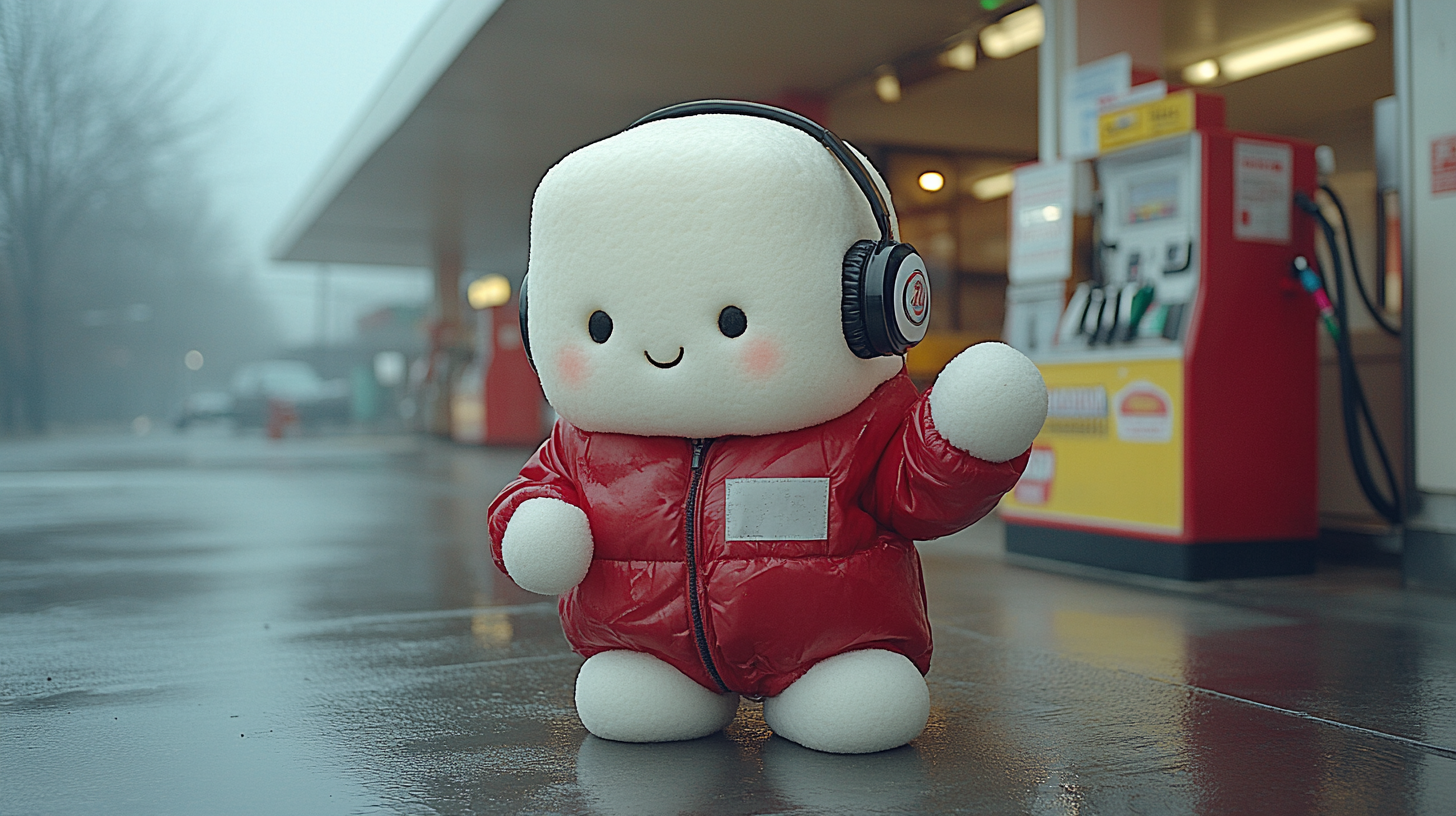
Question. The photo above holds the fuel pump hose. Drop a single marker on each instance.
(1354, 407)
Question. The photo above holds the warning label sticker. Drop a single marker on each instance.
(1263, 191)
(1443, 165)
(1035, 486)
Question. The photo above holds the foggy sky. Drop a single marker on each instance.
(282, 84)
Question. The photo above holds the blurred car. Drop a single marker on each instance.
(312, 399)
(205, 406)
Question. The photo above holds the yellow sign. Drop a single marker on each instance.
(930, 355)
(1169, 116)
(1111, 453)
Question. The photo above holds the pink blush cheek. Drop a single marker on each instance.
(761, 359)
(571, 366)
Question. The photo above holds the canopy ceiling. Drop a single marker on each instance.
(493, 93)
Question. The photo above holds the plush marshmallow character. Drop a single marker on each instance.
(729, 500)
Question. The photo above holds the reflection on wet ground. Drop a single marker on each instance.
(213, 624)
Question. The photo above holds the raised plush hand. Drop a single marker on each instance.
(990, 402)
(547, 546)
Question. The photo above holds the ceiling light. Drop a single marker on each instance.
(993, 187)
(1201, 73)
(931, 181)
(961, 56)
(1282, 53)
(1014, 33)
(1316, 42)
(887, 85)
(487, 291)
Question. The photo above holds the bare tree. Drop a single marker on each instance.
(135, 290)
(83, 126)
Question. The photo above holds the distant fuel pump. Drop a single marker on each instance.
(1181, 434)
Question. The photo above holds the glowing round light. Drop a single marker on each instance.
(1014, 33)
(487, 291)
(961, 56)
(931, 181)
(1201, 73)
(193, 360)
(390, 368)
(887, 84)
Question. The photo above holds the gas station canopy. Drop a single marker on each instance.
(493, 93)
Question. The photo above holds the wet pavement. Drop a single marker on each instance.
(217, 624)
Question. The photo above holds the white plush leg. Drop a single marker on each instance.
(853, 703)
(634, 697)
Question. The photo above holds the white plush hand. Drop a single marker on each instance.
(547, 547)
(990, 402)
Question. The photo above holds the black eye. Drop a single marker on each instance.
(599, 326)
(732, 321)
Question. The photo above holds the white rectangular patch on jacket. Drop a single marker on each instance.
(777, 509)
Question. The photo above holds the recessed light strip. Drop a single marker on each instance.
(993, 187)
(1281, 53)
(1014, 33)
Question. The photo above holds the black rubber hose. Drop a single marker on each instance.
(1353, 405)
(1392, 508)
(1393, 331)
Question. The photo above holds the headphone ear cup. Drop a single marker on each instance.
(525, 337)
(852, 301)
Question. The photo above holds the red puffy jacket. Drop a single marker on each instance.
(804, 576)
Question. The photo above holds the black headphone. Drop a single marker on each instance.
(885, 301)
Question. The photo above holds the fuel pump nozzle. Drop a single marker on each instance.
(1138, 308)
(1312, 283)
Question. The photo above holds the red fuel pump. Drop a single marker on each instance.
(1182, 431)
(498, 400)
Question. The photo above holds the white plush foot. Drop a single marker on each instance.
(634, 697)
(990, 401)
(853, 703)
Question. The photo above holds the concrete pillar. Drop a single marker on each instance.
(449, 337)
(1056, 57)
(1083, 31)
(1425, 71)
(1107, 27)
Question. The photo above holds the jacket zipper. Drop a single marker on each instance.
(700, 454)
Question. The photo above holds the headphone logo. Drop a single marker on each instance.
(915, 298)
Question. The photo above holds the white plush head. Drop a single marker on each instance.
(662, 228)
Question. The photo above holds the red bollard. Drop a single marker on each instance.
(281, 414)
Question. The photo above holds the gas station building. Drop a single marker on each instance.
(960, 103)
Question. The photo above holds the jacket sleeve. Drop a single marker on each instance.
(925, 488)
(548, 474)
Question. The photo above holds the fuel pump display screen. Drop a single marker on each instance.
(1152, 200)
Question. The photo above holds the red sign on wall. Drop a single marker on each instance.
(1443, 165)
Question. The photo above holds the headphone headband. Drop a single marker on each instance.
(804, 124)
(885, 292)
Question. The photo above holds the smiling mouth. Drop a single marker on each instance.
(675, 360)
